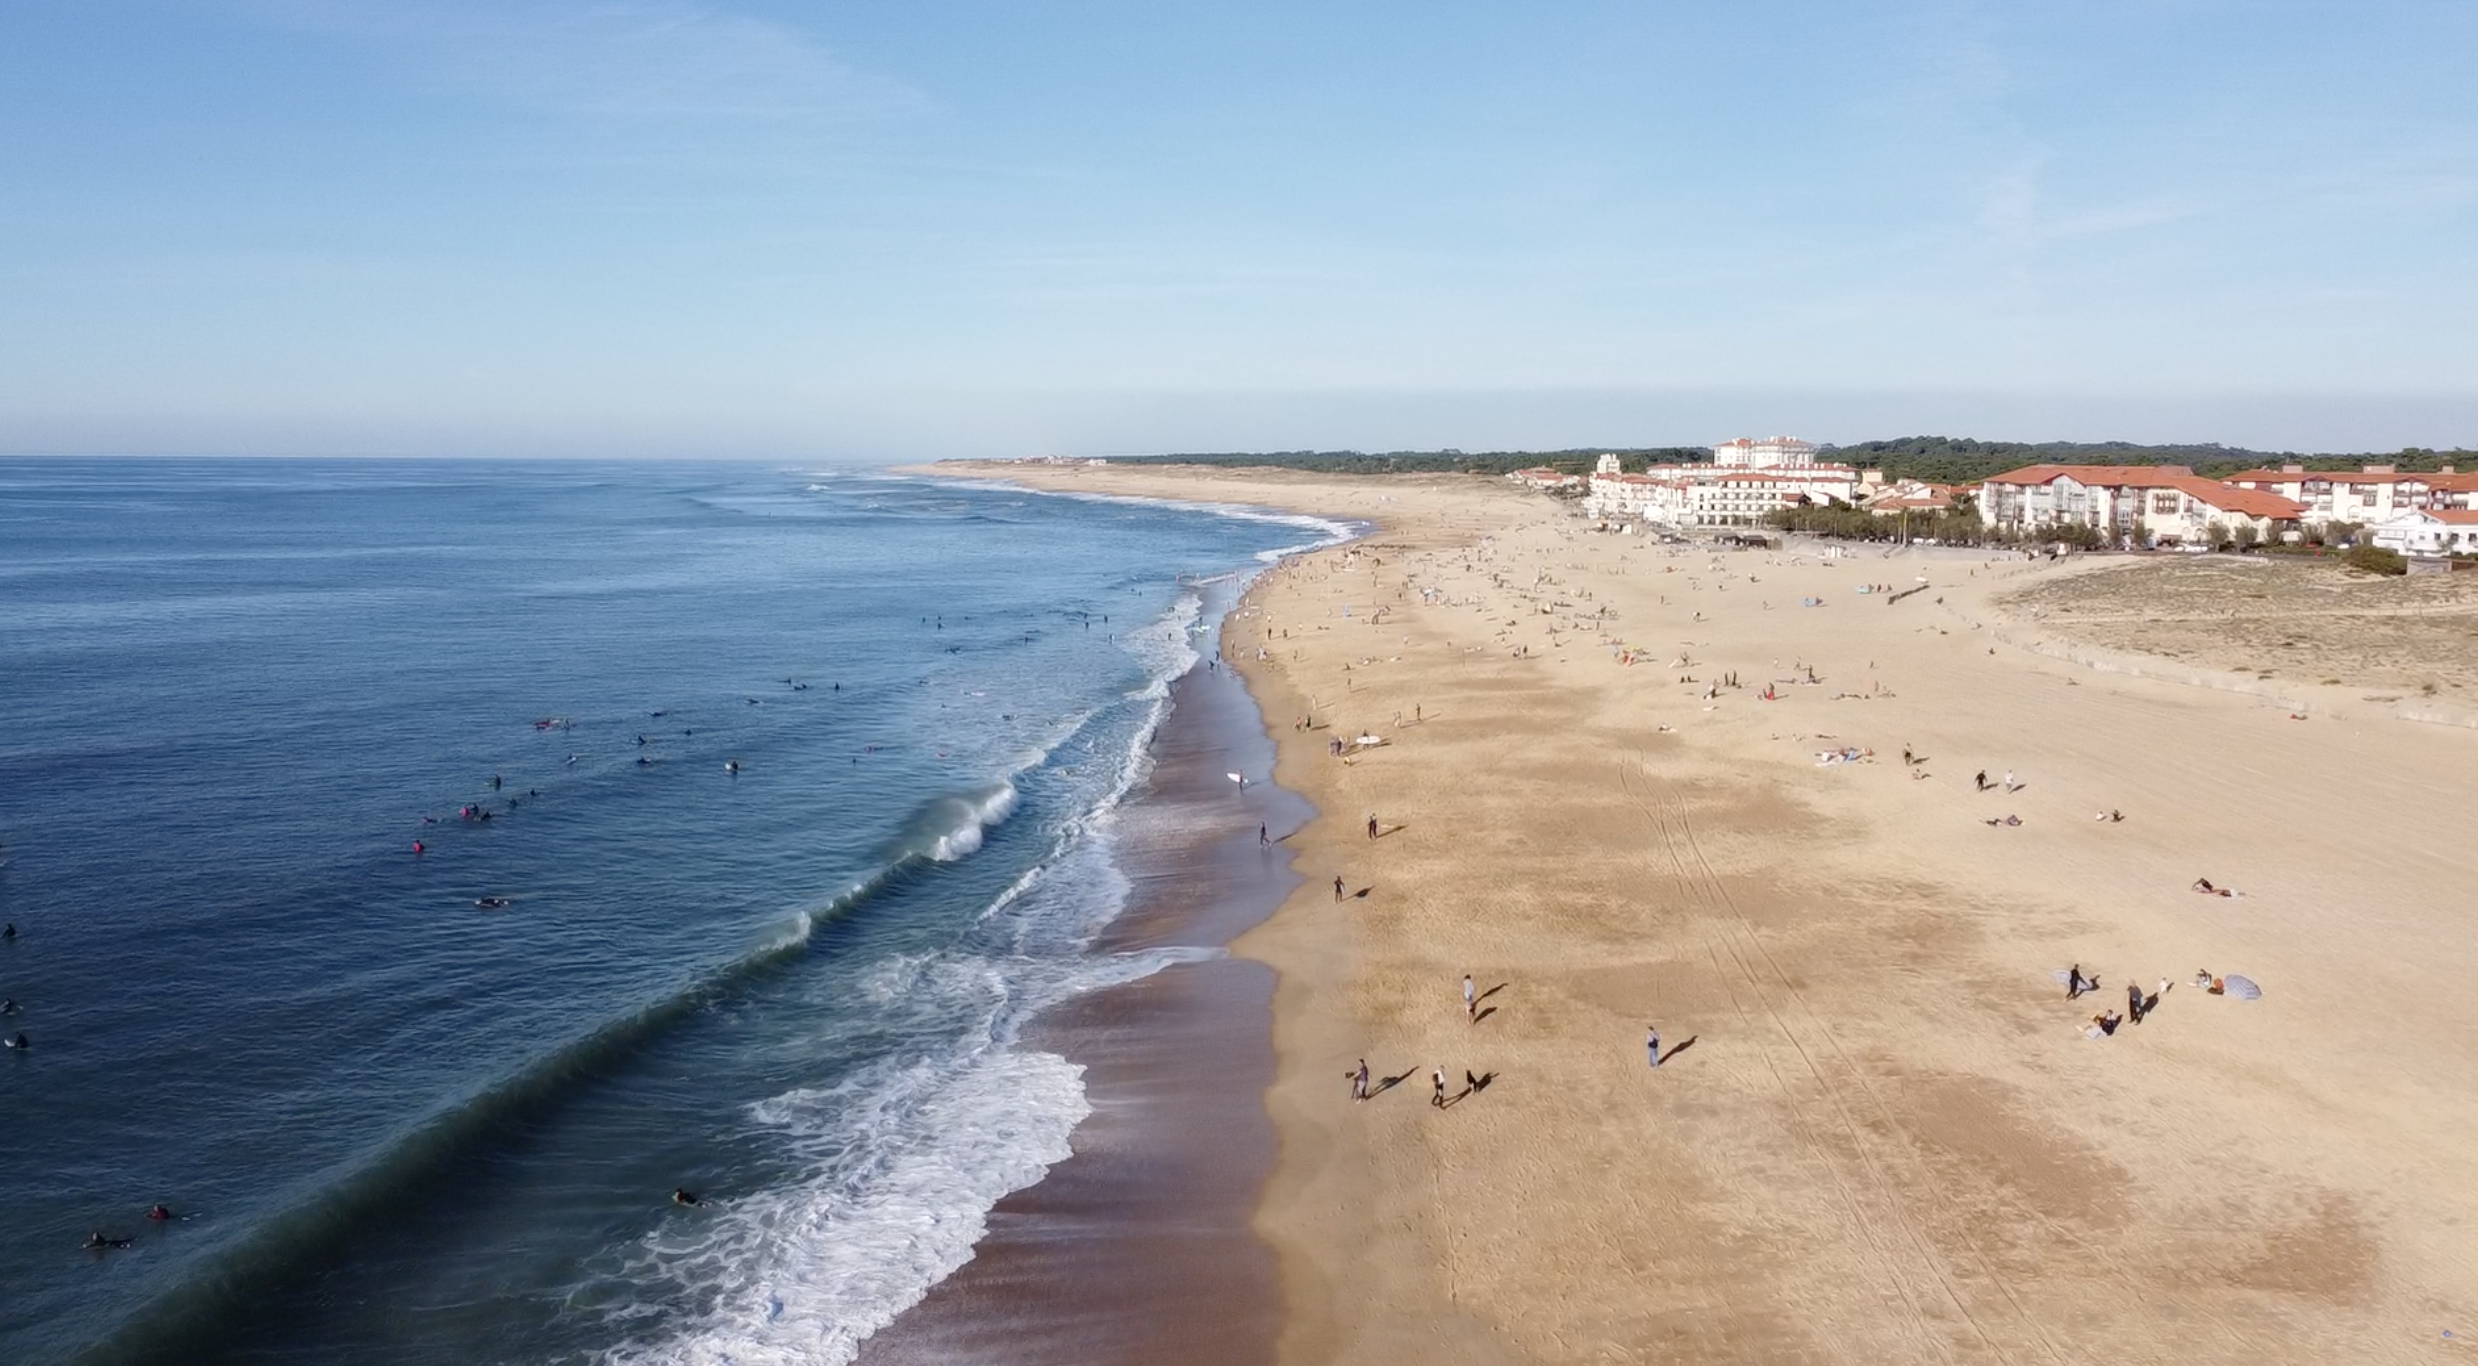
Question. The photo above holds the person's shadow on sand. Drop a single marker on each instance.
(1678, 1048)
(1484, 1015)
(1385, 1084)
(1472, 1086)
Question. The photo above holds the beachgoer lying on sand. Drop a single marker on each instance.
(2101, 1026)
(2203, 885)
(2008, 820)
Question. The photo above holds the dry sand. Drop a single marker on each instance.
(2309, 622)
(1882, 1137)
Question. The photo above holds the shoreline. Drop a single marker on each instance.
(1138, 1247)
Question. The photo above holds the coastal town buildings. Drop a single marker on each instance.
(1772, 452)
(1902, 495)
(2135, 505)
(1746, 481)
(2424, 531)
(2373, 494)
(1548, 480)
(2142, 503)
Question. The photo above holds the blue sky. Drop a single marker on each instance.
(823, 231)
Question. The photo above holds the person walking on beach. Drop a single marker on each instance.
(1372, 825)
(1981, 778)
(1263, 840)
(1359, 1081)
(1651, 1045)
(1436, 1093)
(1337, 887)
(1471, 1003)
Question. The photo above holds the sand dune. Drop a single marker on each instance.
(1881, 1135)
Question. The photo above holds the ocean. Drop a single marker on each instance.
(758, 810)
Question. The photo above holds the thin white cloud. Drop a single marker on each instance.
(632, 62)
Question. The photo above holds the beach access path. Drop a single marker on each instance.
(1879, 1132)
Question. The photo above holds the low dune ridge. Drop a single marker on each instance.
(1880, 1131)
(2309, 621)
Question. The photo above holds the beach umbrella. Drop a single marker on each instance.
(2243, 988)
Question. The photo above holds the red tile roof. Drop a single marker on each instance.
(2103, 476)
(2223, 496)
(2251, 502)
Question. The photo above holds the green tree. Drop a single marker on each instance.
(2374, 559)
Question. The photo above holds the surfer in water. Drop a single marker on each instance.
(158, 1213)
(96, 1242)
(491, 903)
(684, 1197)
(18, 1043)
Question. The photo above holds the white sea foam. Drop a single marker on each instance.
(902, 1160)
(1161, 645)
(909, 1160)
(961, 821)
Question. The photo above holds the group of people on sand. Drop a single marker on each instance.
(1473, 1083)
(2138, 1003)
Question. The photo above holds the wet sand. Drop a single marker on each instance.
(1138, 1248)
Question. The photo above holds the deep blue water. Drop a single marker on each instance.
(395, 1125)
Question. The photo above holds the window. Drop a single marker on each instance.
(2164, 504)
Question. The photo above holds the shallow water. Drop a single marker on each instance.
(398, 1126)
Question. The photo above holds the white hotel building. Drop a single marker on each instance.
(1746, 480)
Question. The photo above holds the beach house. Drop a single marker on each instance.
(2428, 531)
(1893, 498)
(2135, 503)
(2365, 496)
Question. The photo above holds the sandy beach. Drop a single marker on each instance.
(1879, 1131)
